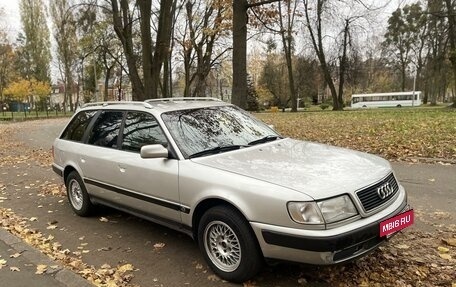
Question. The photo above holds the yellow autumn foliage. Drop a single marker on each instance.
(23, 88)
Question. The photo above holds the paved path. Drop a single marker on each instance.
(21, 266)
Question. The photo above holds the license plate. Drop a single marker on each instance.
(392, 225)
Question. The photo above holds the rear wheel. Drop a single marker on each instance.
(77, 195)
(229, 245)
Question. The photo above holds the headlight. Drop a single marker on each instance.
(305, 212)
(322, 212)
(337, 208)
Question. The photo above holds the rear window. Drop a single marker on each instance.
(106, 129)
(76, 128)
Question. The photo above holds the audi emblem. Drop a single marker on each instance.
(384, 191)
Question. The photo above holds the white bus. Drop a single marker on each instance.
(399, 99)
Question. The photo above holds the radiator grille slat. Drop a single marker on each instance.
(369, 196)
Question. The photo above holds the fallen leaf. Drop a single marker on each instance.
(2, 263)
(103, 219)
(443, 249)
(33, 219)
(402, 246)
(125, 268)
(445, 256)
(159, 245)
(15, 269)
(51, 227)
(15, 255)
(40, 269)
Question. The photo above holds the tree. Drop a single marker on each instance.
(285, 16)
(286, 33)
(36, 44)
(349, 15)
(274, 78)
(240, 20)
(404, 38)
(65, 37)
(24, 90)
(437, 42)
(205, 26)
(451, 14)
(153, 55)
(7, 56)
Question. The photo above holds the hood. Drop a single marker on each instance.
(318, 170)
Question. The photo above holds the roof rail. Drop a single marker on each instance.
(109, 103)
(183, 99)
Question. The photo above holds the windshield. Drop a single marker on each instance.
(198, 130)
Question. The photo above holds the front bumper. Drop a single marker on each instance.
(324, 247)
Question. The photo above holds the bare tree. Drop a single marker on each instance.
(207, 24)
(343, 40)
(240, 20)
(153, 55)
(65, 37)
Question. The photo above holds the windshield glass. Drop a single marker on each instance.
(198, 130)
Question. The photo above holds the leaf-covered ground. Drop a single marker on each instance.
(420, 134)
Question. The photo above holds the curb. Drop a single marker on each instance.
(60, 274)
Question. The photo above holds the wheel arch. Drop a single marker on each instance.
(68, 169)
(207, 204)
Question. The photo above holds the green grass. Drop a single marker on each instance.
(399, 134)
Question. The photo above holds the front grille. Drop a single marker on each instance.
(369, 197)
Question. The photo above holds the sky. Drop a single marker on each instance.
(12, 19)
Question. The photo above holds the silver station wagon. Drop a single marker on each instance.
(216, 173)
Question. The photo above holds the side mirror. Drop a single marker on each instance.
(154, 151)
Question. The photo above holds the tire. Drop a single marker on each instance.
(77, 195)
(221, 230)
(399, 106)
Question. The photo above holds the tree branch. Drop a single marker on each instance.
(256, 4)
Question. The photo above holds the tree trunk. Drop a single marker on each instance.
(452, 41)
(123, 28)
(239, 89)
(317, 42)
(163, 41)
(287, 49)
(343, 66)
(106, 83)
(145, 8)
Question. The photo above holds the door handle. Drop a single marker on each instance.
(83, 160)
(122, 169)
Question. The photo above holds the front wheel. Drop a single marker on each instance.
(229, 245)
(77, 195)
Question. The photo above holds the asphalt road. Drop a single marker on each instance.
(176, 261)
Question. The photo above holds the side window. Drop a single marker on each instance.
(141, 129)
(105, 131)
(75, 130)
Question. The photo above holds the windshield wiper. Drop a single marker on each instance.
(265, 139)
(215, 150)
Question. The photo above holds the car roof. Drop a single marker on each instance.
(159, 106)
